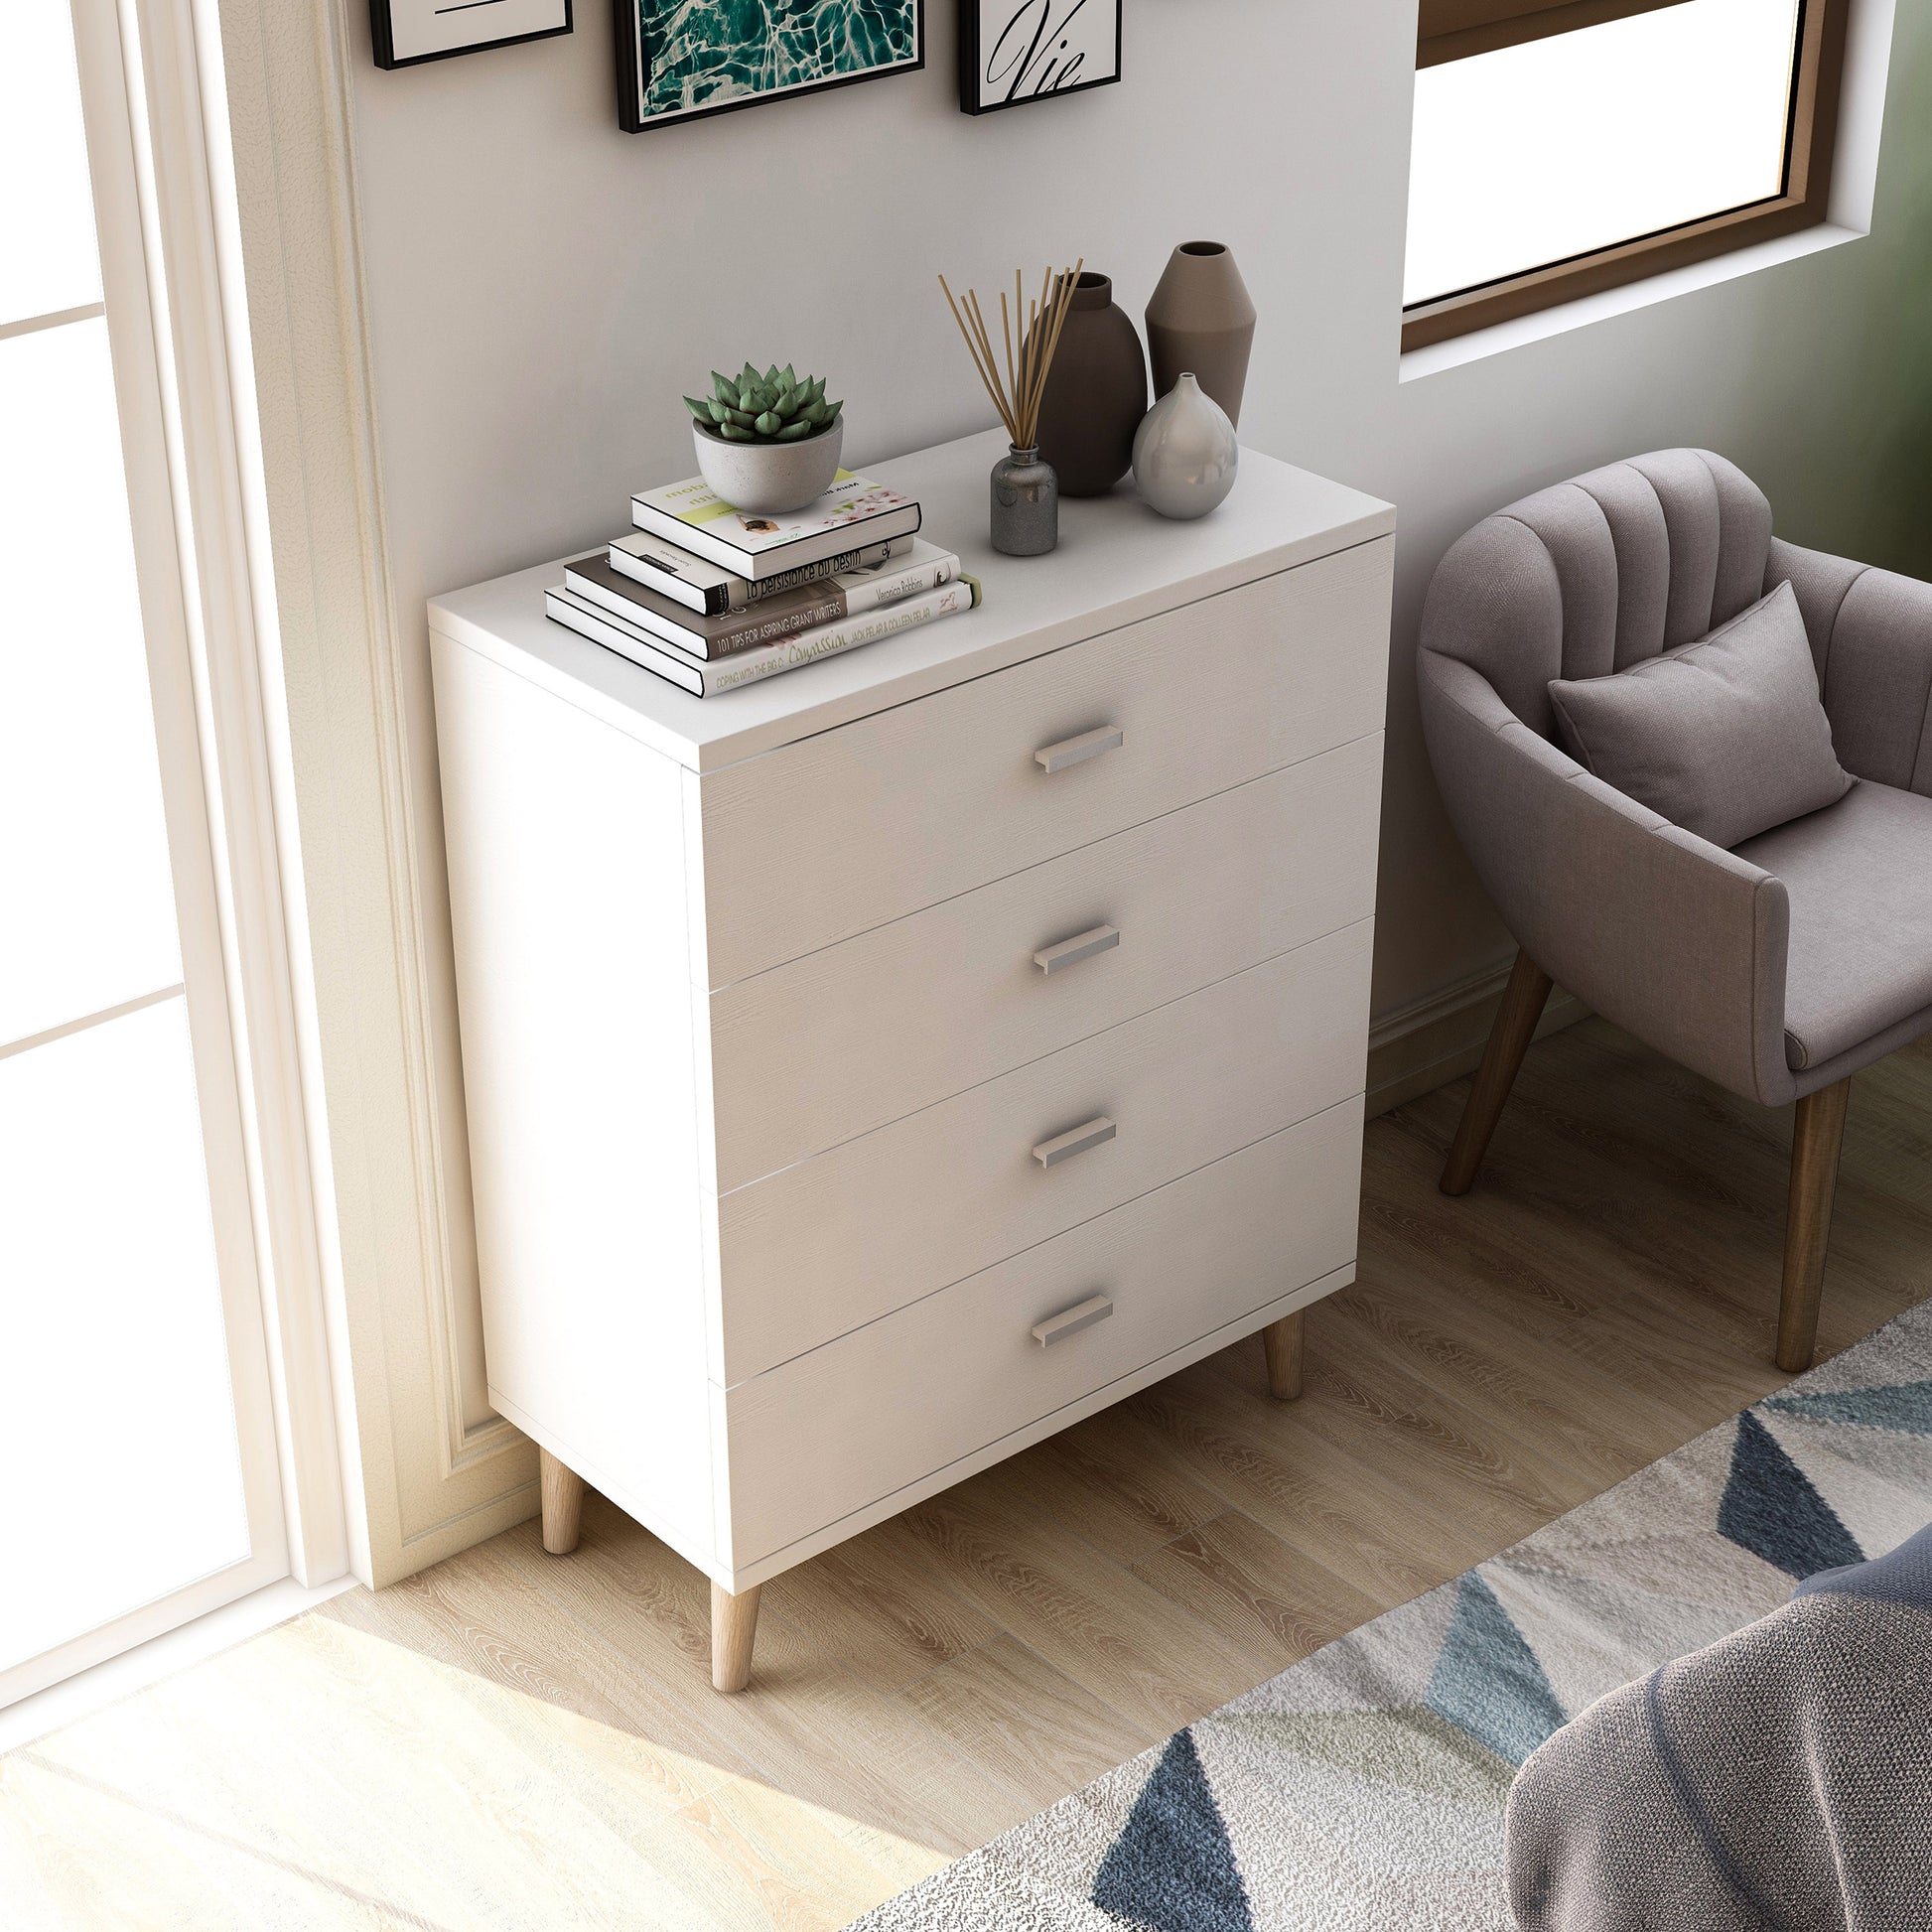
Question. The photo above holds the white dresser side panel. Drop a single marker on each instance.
(567, 888)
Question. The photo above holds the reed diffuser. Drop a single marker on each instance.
(1025, 492)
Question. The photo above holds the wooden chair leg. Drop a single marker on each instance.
(563, 1504)
(734, 1629)
(1510, 1041)
(1283, 1342)
(1817, 1136)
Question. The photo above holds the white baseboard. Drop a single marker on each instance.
(1425, 1045)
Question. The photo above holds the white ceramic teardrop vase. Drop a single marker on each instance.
(1184, 452)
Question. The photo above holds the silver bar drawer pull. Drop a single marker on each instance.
(1076, 1140)
(1069, 1321)
(1070, 952)
(1077, 750)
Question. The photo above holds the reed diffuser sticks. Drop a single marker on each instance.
(1018, 387)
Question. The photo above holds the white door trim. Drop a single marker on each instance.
(430, 1471)
(231, 611)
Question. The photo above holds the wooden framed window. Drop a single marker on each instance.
(1566, 146)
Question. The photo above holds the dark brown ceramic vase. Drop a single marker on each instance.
(1095, 395)
(1201, 323)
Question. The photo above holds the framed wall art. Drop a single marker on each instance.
(406, 32)
(678, 60)
(1011, 52)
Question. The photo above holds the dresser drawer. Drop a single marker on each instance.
(861, 1418)
(829, 1047)
(842, 832)
(828, 1244)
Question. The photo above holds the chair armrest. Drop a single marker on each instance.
(1872, 640)
(1673, 938)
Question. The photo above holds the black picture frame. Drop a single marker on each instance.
(973, 53)
(633, 119)
(382, 34)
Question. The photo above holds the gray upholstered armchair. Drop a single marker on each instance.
(1777, 969)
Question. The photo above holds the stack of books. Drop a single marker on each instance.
(712, 597)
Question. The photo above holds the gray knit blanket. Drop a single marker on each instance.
(1778, 1782)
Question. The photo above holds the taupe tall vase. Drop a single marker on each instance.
(1201, 322)
(1096, 394)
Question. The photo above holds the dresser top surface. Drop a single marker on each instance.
(1117, 563)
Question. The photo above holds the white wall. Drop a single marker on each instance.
(542, 288)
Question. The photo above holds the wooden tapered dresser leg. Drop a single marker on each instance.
(1510, 1041)
(1816, 1139)
(563, 1504)
(1282, 1341)
(734, 1629)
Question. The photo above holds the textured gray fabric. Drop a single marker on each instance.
(1778, 1782)
(1597, 574)
(1669, 937)
(1820, 582)
(1725, 737)
(1674, 939)
(1872, 640)
(1867, 1052)
(1860, 879)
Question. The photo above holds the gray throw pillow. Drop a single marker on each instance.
(1725, 737)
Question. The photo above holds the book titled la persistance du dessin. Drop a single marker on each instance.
(711, 599)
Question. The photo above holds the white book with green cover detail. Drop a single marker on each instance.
(854, 512)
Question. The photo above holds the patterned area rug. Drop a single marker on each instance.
(1363, 1790)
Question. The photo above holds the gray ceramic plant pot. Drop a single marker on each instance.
(770, 478)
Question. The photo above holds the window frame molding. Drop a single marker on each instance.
(1455, 30)
(1810, 142)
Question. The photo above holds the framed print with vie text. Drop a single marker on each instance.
(1011, 52)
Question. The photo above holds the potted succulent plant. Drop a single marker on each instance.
(767, 443)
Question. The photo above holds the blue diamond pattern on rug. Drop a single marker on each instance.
(1362, 1789)
(1487, 1680)
(1173, 1869)
(1770, 1508)
(1906, 1407)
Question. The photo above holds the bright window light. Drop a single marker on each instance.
(1563, 146)
(47, 217)
(116, 1414)
(83, 849)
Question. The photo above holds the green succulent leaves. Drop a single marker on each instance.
(776, 407)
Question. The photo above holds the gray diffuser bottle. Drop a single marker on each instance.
(1026, 505)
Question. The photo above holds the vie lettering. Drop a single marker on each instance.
(1030, 53)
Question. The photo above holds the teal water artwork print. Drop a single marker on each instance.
(680, 59)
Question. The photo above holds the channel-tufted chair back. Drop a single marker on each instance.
(1588, 576)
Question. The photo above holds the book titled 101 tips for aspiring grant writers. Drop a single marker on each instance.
(706, 679)
(854, 512)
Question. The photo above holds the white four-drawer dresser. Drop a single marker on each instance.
(875, 1069)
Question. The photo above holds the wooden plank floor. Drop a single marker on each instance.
(511, 1740)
